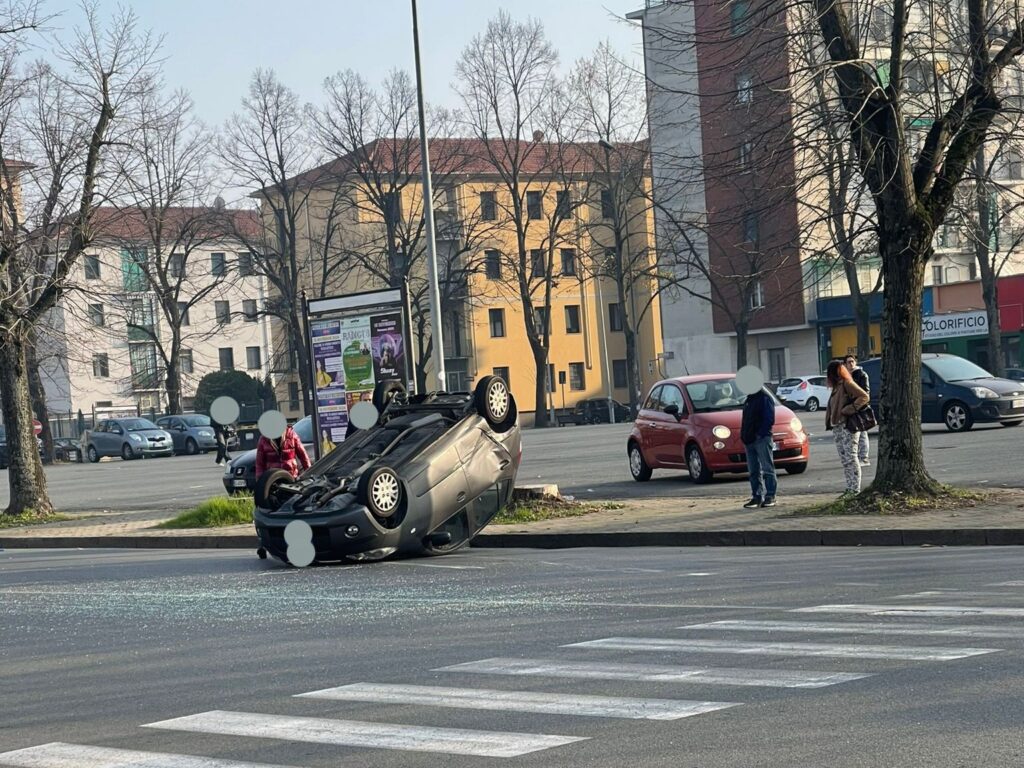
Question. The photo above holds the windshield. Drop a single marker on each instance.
(196, 420)
(719, 395)
(304, 429)
(137, 425)
(790, 383)
(957, 369)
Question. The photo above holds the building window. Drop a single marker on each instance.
(937, 275)
(249, 310)
(577, 377)
(750, 228)
(222, 310)
(141, 320)
(619, 377)
(245, 264)
(176, 266)
(540, 320)
(492, 265)
(293, 395)
(185, 364)
(534, 207)
(502, 373)
(952, 274)
(142, 358)
(538, 265)
(488, 206)
(746, 150)
(949, 236)
(92, 267)
(562, 204)
(777, 364)
(227, 358)
(101, 366)
(881, 24)
(744, 88)
(183, 318)
(614, 317)
(96, 316)
(739, 16)
(133, 270)
(253, 360)
(496, 317)
(607, 204)
(972, 271)
(218, 265)
(757, 295)
(551, 377)
(572, 318)
(568, 261)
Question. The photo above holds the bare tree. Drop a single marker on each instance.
(62, 140)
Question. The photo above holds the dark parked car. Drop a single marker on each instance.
(958, 393)
(190, 432)
(595, 411)
(433, 471)
(1016, 374)
(240, 473)
(4, 458)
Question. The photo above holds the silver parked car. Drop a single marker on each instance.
(190, 432)
(130, 438)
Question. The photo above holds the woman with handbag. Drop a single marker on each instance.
(846, 401)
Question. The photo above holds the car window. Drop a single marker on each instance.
(957, 369)
(818, 381)
(790, 382)
(926, 375)
(137, 425)
(671, 395)
(304, 429)
(715, 395)
(653, 402)
(164, 423)
(195, 420)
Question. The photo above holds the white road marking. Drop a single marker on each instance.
(918, 653)
(954, 593)
(60, 755)
(861, 628)
(353, 733)
(655, 673)
(1007, 584)
(411, 563)
(520, 701)
(913, 610)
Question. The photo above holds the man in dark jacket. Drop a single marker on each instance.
(756, 434)
(221, 433)
(860, 378)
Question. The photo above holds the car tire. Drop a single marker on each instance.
(812, 404)
(191, 447)
(796, 469)
(126, 453)
(494, 402)
(1011, 423)
(638, 466)
(264, 495)
(957, 417)
(385, 392)
(381, 491)
(697, 466)
(93, 454)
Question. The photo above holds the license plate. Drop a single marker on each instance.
(1018, 404)
(239, 483)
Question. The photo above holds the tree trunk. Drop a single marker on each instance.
(540, 359)
(901, 461)
(862, 318)
(38, 395)
(990, 292)
(173, 383)
(25, 476)
(742, 328)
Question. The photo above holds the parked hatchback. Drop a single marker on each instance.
(190, 432)
(595, 411)
(130, 438)
(807, 392)
(958, 393)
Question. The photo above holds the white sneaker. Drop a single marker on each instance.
(865, 463)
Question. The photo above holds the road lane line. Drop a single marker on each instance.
(354, 733)
(60, 755)
(520, 701)
(861, 628)
(655, 673)
(907, 653)
(912, 610)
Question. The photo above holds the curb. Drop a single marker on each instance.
(940, 537)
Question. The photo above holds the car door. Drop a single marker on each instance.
(671, 437)
(931, 396)
(101, 438)
(649, 421)
(114, 438)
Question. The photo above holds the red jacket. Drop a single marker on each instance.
(291, 455)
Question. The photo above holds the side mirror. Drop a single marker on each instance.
(182, 428)
(672, 410)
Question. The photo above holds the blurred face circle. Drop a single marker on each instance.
(272, 424)
(225, 410)
(363, 415)
(749, 379)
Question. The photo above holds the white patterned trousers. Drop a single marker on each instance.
(846, 445)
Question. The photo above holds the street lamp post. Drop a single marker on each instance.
(436, 332)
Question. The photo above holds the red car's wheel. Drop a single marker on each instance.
(638, 466)
(696, 465)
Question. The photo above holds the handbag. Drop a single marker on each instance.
(862, 420)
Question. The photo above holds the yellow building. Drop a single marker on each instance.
(359, 228)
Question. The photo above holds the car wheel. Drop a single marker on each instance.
(126, 452)
(191, 447)
(1011, 423)
(381, 491)
(385, 392)
(638, 466)
(696, 465)
(796, 469)
(265, 494)
(812, 404)
(494, 402)
(957, 417)
(93, 454)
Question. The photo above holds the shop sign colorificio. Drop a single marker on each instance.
(955, 324)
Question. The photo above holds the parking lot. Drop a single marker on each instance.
(585, 462)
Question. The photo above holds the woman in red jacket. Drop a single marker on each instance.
(285, 452)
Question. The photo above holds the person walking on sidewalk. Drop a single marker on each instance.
(756, 434)
(846, 399)
(860, 378)
(220, 434)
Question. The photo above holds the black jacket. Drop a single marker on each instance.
(860, 378)
(758, 417)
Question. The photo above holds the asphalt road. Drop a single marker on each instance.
(586, 462)
(923, 669)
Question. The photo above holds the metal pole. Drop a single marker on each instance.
(603, 338)
(608, 171)
(436, 332)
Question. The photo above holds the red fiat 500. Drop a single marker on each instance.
(694, 422)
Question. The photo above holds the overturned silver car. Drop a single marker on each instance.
(424, 480)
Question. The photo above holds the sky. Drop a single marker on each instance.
(211, 47)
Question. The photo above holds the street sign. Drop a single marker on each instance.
(37, 427)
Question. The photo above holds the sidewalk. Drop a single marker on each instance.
(714, 521)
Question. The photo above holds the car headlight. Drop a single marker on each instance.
(228, 470)
(136, 438)
(722, 432)
(205, 433)
(984, 393)
(796, 425)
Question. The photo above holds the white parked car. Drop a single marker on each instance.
(807, 392)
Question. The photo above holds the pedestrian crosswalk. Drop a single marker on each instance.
(572, 718)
